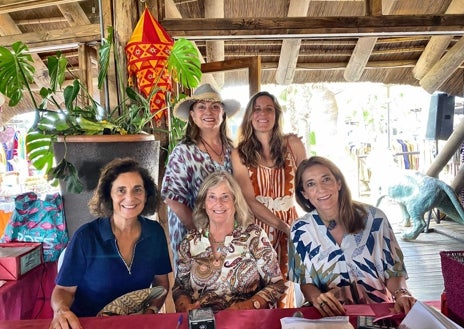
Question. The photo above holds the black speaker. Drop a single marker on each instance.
(441, 117)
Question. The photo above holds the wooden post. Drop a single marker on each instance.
(453, 143)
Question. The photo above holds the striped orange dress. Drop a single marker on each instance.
(274, 187)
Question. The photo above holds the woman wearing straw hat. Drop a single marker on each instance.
(205, 148)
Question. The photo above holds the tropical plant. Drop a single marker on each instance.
(82, 114)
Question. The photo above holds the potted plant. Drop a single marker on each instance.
(81, 113)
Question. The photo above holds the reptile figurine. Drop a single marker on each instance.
(417, 194)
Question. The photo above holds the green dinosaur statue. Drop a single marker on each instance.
(417, 194)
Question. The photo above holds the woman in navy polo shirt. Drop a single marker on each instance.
(119, 252)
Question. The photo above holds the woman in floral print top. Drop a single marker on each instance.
(227, 262)
(343, 251)
(204, 149)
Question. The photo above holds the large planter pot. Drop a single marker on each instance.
(89, 154)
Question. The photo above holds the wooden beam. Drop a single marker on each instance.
(434, 49)
(437, 45)
(173, 13)
(74, 14)
(125, 18)
(359, 58)
(252, 64)
(8, 26)
(329, 66)
(373, 7)
(315, 27)
(215, 49)
(9, 6)
(387, 5)
(444, 68)
(85, 67)
(364, 47)
(74, 34)
(453, 143)
(291, 48)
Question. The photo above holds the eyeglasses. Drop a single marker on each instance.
(225, 198)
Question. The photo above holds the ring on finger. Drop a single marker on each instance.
(322, 304)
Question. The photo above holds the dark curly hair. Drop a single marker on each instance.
(101, 203)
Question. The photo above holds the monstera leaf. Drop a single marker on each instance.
(184, 64)
(16, 72)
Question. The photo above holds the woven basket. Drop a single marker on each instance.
(452, 267)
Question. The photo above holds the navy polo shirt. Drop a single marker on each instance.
(92, 263)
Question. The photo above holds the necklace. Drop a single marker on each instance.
(219, 245)
(128, 266)
(205, 143)
(332, 224)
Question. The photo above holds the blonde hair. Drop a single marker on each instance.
(243, 214)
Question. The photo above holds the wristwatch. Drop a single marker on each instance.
(256, 304)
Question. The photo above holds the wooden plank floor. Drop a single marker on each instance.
(422, 256)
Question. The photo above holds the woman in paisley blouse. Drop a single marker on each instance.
(204, 149)
(343, 251)
(227, 262)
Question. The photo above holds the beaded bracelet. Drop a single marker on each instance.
(401, 291)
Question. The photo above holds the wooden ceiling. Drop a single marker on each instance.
(413, 42)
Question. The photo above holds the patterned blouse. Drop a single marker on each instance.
(248, 266)
(360, 266)
(187, 168)
(275, 188)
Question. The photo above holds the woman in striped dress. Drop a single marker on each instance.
(264, 164)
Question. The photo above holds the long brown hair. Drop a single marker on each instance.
(249, 147)
(351, 212)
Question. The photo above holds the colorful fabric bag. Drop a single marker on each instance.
(36, 220)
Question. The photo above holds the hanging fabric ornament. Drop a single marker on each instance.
(147, 52)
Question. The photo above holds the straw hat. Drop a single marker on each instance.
(205, 93)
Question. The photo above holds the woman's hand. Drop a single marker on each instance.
(328, 304)
(403, 301)
(184, 304)
(191, 306)
(244, 305)
(65, 319)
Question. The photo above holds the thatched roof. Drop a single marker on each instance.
(413, 42)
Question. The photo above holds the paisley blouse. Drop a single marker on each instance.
(187, 168)
(248, 266)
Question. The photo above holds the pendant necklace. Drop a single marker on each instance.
(219, 245)
(331, 225)
(220, 155)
